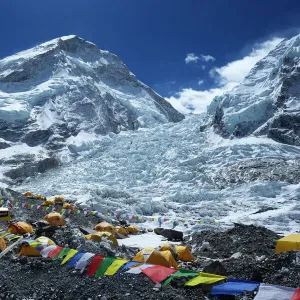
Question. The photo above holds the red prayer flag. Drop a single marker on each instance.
(296, 296)
(158, 273)
(55, 252)
(94, 265)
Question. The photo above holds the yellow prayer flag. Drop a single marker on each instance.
(71, 253)
(115, 266)
(205, 278)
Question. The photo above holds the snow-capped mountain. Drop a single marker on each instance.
(188, 169)
(267, 102)
(63, 88)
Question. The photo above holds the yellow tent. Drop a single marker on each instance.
(121, 230)
(104, 226)
(132, 229)
(55, 219)
(29, 248)
(68, 206)
(182, 253)
(97, 236)
(168, 246)
(152, 256)
(59, 199)
(4, 214)
(28, 194)
(288, 243)
(48, 202)
(20, 227)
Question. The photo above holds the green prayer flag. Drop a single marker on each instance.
(62, 253)
(107, 261)
(4, 235)
(180, 273)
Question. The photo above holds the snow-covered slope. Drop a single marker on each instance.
(58, 89)
(267, 102)
(176, 170)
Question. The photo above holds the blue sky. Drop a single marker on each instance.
(154, 37)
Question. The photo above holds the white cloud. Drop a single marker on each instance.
(207, 58)
(234, 72)
(225, 77)
(200, 82)
(191, 58)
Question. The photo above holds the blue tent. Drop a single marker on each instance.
(234, 287)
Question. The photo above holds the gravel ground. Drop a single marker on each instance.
(244, 252)
(247, 252)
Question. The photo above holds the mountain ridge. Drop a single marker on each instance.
(65, 86)
(267, 101)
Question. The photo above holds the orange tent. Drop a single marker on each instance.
(48, 202)
(20, 227)
(152, 256)
(68, 206)
(30, 248)
(121, 230)
(97, 237)
(55, 219)
(28, 194)
(132, 229)
(59, 199)
(182, 253)
(104, 226)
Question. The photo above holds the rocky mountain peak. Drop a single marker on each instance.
(68, 86)
(267, 102)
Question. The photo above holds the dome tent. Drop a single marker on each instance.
(28, 194)
(182, 253)
(121, 230)
(152, 256)
(30, 247)
(97, 237)
(132, 229)
(20, 227)
(48, 202)
(104, 226)
(55, 219)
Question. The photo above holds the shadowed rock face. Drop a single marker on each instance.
(35, 138)
(285, 128)
(268, 100)
(259, 170)
(31, 168)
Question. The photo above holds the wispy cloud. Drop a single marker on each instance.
(191, 58)
(200, 82)
(225, 78)
(207, 58)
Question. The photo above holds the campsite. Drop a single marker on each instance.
(95, 266)
(150, 149)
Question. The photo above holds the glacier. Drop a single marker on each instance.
(176, 170)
